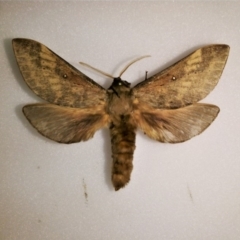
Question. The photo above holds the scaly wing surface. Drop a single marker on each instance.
(53, 79)
(186, 82)
(176, 125)
(65, 124)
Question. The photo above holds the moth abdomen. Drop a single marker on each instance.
(123, 146)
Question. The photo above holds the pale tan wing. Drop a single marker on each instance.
(186, 82)
(53, 79)
(65, 124)
(176, 125)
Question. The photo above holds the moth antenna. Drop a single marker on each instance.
(97, 70)
(132, 63)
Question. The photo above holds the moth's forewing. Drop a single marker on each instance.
(186, 82)
(65, 124)
(53, 79)
(176, 125)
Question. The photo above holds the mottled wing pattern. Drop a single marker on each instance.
(186, 82)
(65, 124)
(176, 125)
(53, 79)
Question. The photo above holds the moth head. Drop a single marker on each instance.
(117, 82)
(119, 86)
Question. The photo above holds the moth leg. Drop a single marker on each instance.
(146, 75)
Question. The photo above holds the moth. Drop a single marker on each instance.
(165, 106)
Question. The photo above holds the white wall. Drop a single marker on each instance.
(183, 191)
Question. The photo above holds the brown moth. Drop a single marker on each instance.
(163, 106)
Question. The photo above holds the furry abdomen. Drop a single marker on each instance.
(123, 145)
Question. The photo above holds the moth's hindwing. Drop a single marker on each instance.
(65, 124)
(176, 125)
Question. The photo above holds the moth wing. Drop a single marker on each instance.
(53, 79)
(65, 124)
(186, 82)
(176, 125)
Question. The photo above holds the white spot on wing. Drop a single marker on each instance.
(169, 137)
